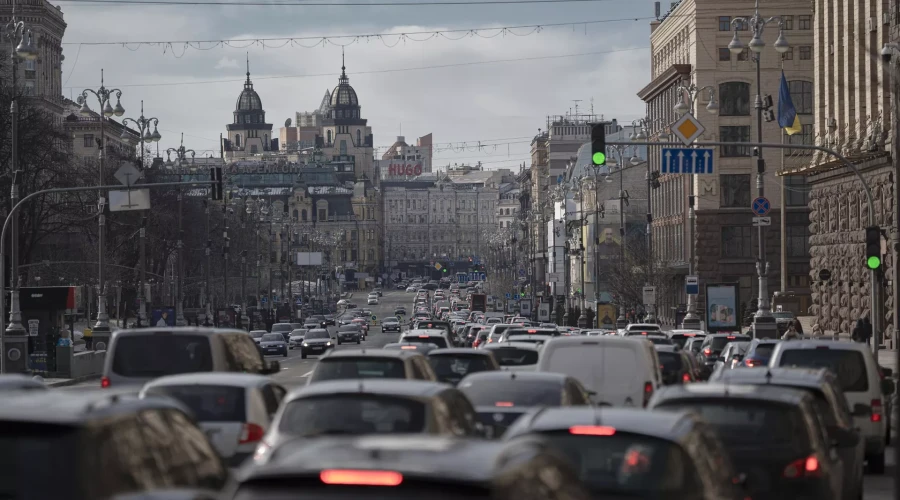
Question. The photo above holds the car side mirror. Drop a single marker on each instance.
(861, 410)
(273, 367)
(887, 387)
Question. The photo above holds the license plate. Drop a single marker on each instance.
(316, 348)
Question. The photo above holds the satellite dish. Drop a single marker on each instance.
(287, 123)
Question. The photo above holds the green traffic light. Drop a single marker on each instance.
(599, 158)
(873, 262)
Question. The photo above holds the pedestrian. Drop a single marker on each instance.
(858, 333)
(88, 334)
(817, 330)
(867, 330)
(791, 333)
(797, 325)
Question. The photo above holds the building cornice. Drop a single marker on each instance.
(663, 81)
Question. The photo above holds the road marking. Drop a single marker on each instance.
(283, 369)
(306, 374)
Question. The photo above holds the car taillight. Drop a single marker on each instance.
(707, 352)
(251, 433)
(592, 430)
(877, 410)
(361, 477)
(686, 378)
(804, 467)
(750, 363)
(648, 392)
(104, 382)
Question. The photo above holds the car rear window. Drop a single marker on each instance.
(764, 350)
(364, 367)
(283, 327)
(533, 331)
(24, 445)
(426, 339)
(514, 356)
(210, 403)
(848, 365)
(670, 361)
(454, 368)
(719, 343)
(352, 414)
(506, 392)
(159, 354)
(755, 423)
(659, 340)
(349, 328)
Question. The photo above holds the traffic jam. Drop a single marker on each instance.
(458, 401)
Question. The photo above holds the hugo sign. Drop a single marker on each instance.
(405, 169)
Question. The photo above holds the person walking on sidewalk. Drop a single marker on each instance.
(791, 333)
(867, 330)
(861, 332)
(88, 338)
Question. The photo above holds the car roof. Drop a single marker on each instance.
(245, 380)
(831, 344)
(76, 408)
(667, 348)
(664, 425)
(177, 330)
(452, 351)
(429, 332)
(525, 377)
(735, 391)
(801, 377)
(717, 335)
(518, 345)
(388, 387)
(367, 353)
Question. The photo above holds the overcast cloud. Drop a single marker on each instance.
(194, 91)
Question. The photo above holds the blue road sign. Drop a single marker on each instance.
(461, 277)
(452, 263)
(262, 299)
(692, 285)
(687, 161)
(760, 206)
(508, 295)
(521, 272)
(483, 277)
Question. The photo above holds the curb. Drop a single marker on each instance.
(73, 381)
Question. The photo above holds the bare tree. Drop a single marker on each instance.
(626, 281)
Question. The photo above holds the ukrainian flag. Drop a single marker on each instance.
(787, 115)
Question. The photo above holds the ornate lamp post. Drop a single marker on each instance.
(104, 97)
(180, 157)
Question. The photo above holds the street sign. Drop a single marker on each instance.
(762, 221)
(692, 285)
(760, 206)
(523, 279)
(521, 272)
(438, 266)
(461, 277)
(132, 199)
(508, 295)
(127, 174)
(686, 161)
(687, 129)
(649, 295)
(544, 311)
(824, 275)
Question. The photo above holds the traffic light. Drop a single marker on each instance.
(598, 144)
(215, 175)
(873, 247)
(445, 269)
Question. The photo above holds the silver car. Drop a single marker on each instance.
(235, 410)
(296, 338)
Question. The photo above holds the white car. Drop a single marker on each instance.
(343, 302)
(373, 301)
(411, 288)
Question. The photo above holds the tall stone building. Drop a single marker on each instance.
(347, 139)
(249, 134)
(689, 46)
(41, 77)
(853, 116)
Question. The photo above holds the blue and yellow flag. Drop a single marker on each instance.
(787, 115)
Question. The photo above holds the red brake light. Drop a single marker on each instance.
(648, 392)
(749, 363)
(731, 337)
(532, 331)
(686, 378)
(251, 433)
(707, 352)
(877, 411)
(361, 477)
(504, 404)
(643, 333)
(592, 430)
(408, 347)
(104, 383)
(423, 336)
(804, 467)
(690, 334)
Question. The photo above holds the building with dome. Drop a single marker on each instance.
(249, 134)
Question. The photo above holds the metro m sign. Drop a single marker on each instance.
(408, 169)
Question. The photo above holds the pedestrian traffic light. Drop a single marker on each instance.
(598, 144)
(215, 175)
(873, 247)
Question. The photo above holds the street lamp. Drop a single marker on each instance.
(763, 321)
(21, 46)
(180, 157)
(104, 97)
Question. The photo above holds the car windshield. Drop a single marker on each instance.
(159, 354)
(764, 350)
(848, 365)
(750, 423)
(390, 319)
(257, 334)
(367, 367)
(719, 343)
(317, 334)
(53, 446)
(282, 327)
(209, 403)
(272, 337)
(514, 356)
(452, 368)
(426, 339)
(506, 392)
(630, 464)
(352, 414)
(670, 361)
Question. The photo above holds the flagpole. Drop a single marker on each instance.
(784, 269)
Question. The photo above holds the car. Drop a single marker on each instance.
(378, 291)
(257, 335)
(370, 406)
(410, 346)
(501, 397)
(136, 356)
(867, 386)
(320, 319)
(774, 436)
(644, 454)
(273, 343)
(372, 363)
(436, 337)
(731, 356)
(659, 339)
(680, 337)
(329, 320)
(758, 353)
(46, 426)
(317, 342)
(675, 365)
(233, 409)
(343, 302)
(411, 289)
(391, 324)
(372, 301)
(832, 406)
(452, 364)
(19, 382)
(363, 325)
(311, 323)
(400, 311)
(284, 329)
(515, 356)
(296, 337)
(408, 466)
(713, 344)
(515, 330)
(349, 333)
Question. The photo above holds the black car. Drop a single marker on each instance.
(390, 324)
(323, 323)
(316, 342)
(310, 324)
(713, 345)
(452, 364)
(273, 343)
(400, 311)
(329, 320)
(349, 333)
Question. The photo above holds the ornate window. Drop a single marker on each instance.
(343, 147)
(797, 191)
(734, 190)
(734, 99)
(329, 137)
(303, 215)
(802, 96)
(237, 140)
(734, 134)
(797, 241)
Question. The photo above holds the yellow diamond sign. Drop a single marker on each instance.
(438, 266)
(687, 129)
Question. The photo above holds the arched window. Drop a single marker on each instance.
(802, 96)
(329, 137)
(295, 214)
(358, 137)
(303, 215)
(343, 147)
(734, 99)
(237, 140)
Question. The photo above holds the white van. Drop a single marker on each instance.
(618, 371)
(866, 386)
(640, 329)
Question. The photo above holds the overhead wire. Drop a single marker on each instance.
(252, 3)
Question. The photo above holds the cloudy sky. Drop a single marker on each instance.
(497, 88)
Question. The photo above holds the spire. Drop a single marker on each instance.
(248, 83)
(343, 78)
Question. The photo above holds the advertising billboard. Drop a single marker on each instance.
(722, 307)
(400, 169)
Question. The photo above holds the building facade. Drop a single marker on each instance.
(346, 138)
(41, 77)
(402, 161)
(690, 48)
(249, 134)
